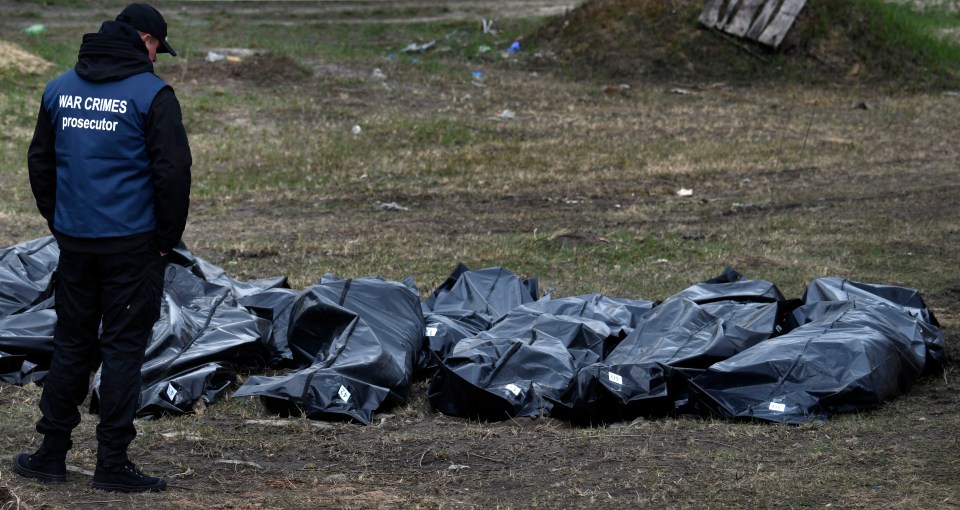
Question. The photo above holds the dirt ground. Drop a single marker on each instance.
(233, 455)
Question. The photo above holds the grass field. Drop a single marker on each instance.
(502, 160)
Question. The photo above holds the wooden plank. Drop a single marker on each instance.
(763, 19)
(777, 29)
(739, 25)
(727, 13)
(711, 13)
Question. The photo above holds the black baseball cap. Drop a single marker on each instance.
(148, 20)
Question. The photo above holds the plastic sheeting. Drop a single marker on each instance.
(360, 337)
(490, 292)
(730, 346)
(25, 274)
(15, 369)
(465, 304)
(636, 377)
(855, 345)
(30, 333)
(200, 323)
(523, 363)
(26, 315)
(201, 340)
(852, 358)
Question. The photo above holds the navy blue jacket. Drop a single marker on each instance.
(109, 161)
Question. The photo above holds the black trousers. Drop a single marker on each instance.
(106, 307)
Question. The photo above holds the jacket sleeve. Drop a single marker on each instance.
(42, 166)
(170, 159)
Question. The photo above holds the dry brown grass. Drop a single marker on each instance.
(14, 58)
(789, 183)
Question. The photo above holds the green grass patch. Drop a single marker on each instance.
(857, 41)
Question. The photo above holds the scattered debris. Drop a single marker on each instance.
(487, 25)
(356, 129)
(420, 48)
(187, 436)
(378, 74)
(744, 207)
(183, 474)
(616, 89)
(239, 53)
(230, 54)
(478, 77)
(506, 115)
(11, 500)
(684, 192)
(270, 423)
(72, 469)
(336, 478)
(681, 91)
(627, 424)
(35, 29)
(239, 463)
(457, 467)
(514, 47)
(390, 206)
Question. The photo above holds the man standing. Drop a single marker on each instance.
(109, 166)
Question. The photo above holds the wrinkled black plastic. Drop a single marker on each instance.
(201, 326)
(517, 367)
(26, 271)
(200, 323)
(466, 303)
(730, 285)
(15, 369)
(26, 314)
(905, 300)
(360, 337)
(181, 393)
(637, 379)
(30, 333)
(490, 292)
(845, 356)
(274, 305)
(729, 347)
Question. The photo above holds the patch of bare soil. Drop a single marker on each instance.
(233, 457)
(260, 69)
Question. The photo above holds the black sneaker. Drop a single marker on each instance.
(40, 467)
(126, 478)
